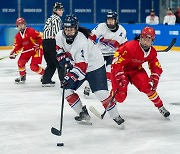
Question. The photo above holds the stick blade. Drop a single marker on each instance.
(95, 112)
(55, 131)
(4, 57)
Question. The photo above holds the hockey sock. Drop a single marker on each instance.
(75, 102)
(154, 97)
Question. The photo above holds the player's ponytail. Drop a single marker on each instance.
(85, 31)
(137, 37)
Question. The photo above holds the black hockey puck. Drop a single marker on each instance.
(60, 144)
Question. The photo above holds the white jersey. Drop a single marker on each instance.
(152, 20)
(109, 41)
(82, 50)
(169, 19)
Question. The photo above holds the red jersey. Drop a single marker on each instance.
(130, 57)
(27, 40)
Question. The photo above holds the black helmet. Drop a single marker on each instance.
(70, 21)
(112, 15)
(57, 5)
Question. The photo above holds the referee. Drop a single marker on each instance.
(51, 28)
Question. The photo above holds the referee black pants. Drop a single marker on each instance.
(49, 47)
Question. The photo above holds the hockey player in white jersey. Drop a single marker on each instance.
(85, 62)
(109, 36)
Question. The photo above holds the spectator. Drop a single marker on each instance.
(170, 18)
(177, 14)
(152, 19)
(51, 28)
(30, 42)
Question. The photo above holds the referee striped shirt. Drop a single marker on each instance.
(52, 27)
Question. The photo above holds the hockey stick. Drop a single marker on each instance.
(4, 57)
(17, 54)
(165, 50)
(169, 47)
(54, 130)
(101, 116)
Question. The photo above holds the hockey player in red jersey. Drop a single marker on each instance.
(127, 67)
(28, 42)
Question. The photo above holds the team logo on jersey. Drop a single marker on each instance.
(125, 52)
(158, 64)
(120, 59)
(116, 54)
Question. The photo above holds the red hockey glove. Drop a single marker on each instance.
(36, 47)
(69, 80)
(154, 80)
(12, 55)
(121, 79)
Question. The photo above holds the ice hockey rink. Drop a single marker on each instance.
(28, 111)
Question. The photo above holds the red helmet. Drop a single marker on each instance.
(20, 21)
(148, 31)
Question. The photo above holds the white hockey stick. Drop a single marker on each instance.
(95, 111)
(17, 54)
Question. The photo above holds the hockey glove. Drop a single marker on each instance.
(64, 59)
(69, 80)
(121, 79)
(36, 47)
(12, 55)
(154, 80)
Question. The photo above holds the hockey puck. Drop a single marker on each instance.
(60, 144)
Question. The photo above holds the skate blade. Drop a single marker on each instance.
(84, 122)
(48, 85)
(121, 126)
(86, 96)
(22, 82)
(167, 118)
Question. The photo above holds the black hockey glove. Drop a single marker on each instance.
(69, 80)
(64, 59)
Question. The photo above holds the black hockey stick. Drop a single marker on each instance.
(101, 116)
(54, 130)
(165, 50)
(169, 47)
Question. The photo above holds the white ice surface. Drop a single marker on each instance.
(27, 113)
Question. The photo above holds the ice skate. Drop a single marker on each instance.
(86, 92)
(84, 117)
(164, 112)
(20, 80)
(119, 121)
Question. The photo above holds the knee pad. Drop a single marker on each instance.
(145, 89)
(120, 96)
(34, 67)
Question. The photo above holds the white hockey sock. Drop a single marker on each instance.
(77, 107)
(75, 102)
(113, 112)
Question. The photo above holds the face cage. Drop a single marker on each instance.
(145, 47)
(112, 26)
(70, 37)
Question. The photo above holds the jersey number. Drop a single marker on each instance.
(82, 53)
